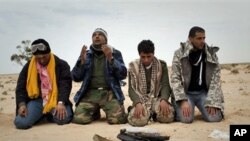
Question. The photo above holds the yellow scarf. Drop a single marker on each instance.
(32, 83)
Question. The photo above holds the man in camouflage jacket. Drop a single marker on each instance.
(196, 79)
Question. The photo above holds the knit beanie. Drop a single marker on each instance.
(103, 32)
(39, 51)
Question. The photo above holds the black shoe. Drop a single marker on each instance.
(154, 117)
(97, 115)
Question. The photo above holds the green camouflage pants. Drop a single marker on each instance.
(150, 112)
(89, 107)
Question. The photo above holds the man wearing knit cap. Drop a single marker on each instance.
(43, 88)
(101, 68)
(103, 32)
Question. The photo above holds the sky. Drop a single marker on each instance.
(68, 25)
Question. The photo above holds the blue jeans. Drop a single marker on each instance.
(197, 98)
(35, 108)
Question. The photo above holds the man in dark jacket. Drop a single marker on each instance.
(101, 68)
(43, 88)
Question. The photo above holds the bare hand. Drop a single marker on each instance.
(107, 51)
(164, 108)
(139, 110)
(83, 54)
(186, 108)
(61, 111)
(23, 111)
(211, 110)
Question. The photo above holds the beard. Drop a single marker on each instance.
(198, 48)
(97, 46)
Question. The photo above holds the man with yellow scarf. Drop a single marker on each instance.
(43, 88)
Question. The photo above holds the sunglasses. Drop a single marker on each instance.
(40, 47)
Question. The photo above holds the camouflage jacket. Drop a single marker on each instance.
(181, 75)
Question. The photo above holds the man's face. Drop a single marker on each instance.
(199, 40)
(98, 39)
(146, 58)
(43, 59)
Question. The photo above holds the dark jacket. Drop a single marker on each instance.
(114, 73)
(64, 82)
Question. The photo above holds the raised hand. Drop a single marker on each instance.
(83, 54)
(107, 51)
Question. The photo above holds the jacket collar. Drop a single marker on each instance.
(210, 51)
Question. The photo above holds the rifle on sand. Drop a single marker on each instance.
(140, 136)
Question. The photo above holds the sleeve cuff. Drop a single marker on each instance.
(21, 104)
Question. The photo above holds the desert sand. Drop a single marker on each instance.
(235, 81)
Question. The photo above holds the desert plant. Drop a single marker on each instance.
(226, 67)
(4, 93)
(2, 98)
(234, 65)
(235, 71)
(248, 67)
(24, 53)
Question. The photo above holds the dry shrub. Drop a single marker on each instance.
(234, 65)
(2, 98)
(248, 67)
(226, 67)
(4, 93)
(235, 71)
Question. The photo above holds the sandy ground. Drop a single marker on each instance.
(235, 85)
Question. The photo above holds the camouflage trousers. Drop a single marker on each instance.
(153, 112)
(88, 109)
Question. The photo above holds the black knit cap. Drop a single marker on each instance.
(44, 42)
